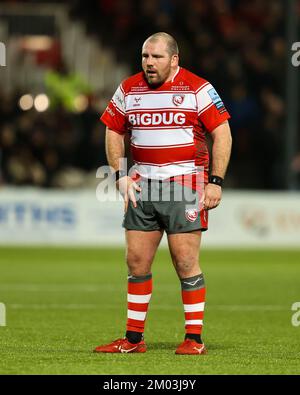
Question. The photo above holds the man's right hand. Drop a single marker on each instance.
(127, 186)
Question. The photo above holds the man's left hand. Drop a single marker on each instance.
(212, 196)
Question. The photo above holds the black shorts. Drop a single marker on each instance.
(166, 205)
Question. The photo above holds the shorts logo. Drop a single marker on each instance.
(191, 214)
(178, 99)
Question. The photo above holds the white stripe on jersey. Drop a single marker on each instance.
(172, 92)
(149, 138)
(162, 172)
(145, 128)
(205, 108)
(201, 87)
(117, 108)
(160, 102)
(118, 100)
(203, 98)
(154, 110)
(163, 146)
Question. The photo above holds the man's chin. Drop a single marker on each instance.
(154, 82)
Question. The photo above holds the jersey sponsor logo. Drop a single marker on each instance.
(191, 214)
(137, 101)
(165, 118)
(118, 99)
(215, 98)
(180, 87)
(178, 99)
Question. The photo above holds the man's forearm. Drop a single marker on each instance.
(115, 148)
(221, 149)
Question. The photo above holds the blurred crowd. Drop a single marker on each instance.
(55, 148)
(238, 45)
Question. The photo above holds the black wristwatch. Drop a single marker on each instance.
(216, 180)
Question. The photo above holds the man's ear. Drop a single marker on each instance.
(175, 60)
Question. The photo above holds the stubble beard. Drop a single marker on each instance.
(152, 83)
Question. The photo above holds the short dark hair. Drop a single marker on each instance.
(172, 46)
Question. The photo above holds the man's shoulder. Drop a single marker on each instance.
(194, 80)
(135, 83)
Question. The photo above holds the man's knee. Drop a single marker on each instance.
(138, 264)
(185, 263)
(184, 268)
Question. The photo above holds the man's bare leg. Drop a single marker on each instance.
(141, 247)
(184, 249)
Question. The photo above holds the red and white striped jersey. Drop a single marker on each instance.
(167, 125)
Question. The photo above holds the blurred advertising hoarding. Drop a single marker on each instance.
(48, 217)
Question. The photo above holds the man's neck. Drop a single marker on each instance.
(173, 74)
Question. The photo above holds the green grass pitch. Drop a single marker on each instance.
(60, 303)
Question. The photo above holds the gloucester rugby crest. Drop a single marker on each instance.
(178, 99)
(191, 214)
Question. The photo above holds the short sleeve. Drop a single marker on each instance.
(114, 115)
(211, 109)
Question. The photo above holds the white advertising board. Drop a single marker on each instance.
(48, 217)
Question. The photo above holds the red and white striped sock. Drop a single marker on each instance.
(193, 298)
(138, 298)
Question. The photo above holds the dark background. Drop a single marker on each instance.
(240, 46)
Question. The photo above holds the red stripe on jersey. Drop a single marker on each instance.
(162, 146)
(166, 164)
(117, 108)
(206, 108)
(163, 155)
(162, 109)
(151, 92)
(113, 119)
(204, 218)
(194, 181)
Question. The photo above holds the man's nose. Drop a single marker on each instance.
(149, 61)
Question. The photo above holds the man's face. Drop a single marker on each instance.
(157, 63)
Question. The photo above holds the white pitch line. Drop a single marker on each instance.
(74, 306)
